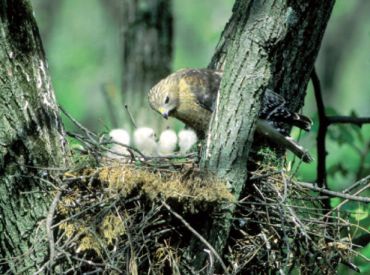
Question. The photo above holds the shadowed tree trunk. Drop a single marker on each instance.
(265, 44)
(147, 53)
(31, 140)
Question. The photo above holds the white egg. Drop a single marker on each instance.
(187, 138)
(144, 138)
(167, 143)
(120, 136)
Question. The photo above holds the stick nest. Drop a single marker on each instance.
(283, 227)
(111, 218)
(120, 218)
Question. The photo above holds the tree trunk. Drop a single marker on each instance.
(265, 44)
(31, 140)
(147, 53)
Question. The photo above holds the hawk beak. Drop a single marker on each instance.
(163, 112)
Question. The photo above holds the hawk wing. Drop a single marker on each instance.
(204, 84)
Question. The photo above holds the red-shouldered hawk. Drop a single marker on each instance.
(190, 96)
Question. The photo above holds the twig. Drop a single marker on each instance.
(346, 200)
(348, 120)
(130, 116)
(333, 193)
(79, 125)
(356, 184)
(200, 237)
(108, 102)
(211, 260)
(49, 223)
(259, 177)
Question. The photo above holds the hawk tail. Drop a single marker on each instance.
(301, 121)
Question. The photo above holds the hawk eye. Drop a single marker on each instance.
(166, 100)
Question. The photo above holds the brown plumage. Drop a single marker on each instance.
(190, 96)
(187, 95)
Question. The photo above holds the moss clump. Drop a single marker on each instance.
(167, 185)
(112, 227)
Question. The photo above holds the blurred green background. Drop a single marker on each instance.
(82, 44)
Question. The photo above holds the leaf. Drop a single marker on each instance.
(360, 213)
(330, 111)
(334, 202)
(346, 135)
(338, 167)
(341, 134)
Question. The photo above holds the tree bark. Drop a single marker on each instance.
(265, 44)
(147, 53)
(31, 140)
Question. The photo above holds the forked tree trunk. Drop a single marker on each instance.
(265, 44)
(147, 54)
(31, 140)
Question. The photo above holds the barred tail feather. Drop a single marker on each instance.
(302, 122)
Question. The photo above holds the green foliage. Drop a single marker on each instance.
(83, 54)
(198, 26)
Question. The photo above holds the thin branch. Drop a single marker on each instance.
(321, 135)
(79, 125)
(131, 117)
(356, 184)
(108, 101)
(333, 193)
(49, 230)
(346, 200)
(348, 119)
(200, 237)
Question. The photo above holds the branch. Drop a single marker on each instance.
(359, 121)
(49, 225)
(333, 193)
(356, 184)
(346, 200)
(323, 127)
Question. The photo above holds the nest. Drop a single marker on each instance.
(142, 217)
(116, 217)
(283, 227)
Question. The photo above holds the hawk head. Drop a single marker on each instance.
(164, 96)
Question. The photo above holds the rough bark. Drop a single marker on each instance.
(31, 139)
(147, 53)
(265, 44)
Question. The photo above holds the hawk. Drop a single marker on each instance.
(190, 96)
